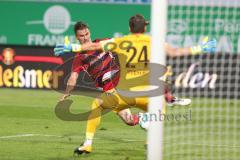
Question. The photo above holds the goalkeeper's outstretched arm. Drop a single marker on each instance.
(205, 46)
(176, 52)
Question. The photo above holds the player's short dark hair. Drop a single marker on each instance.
(137, 23)
(79, 26)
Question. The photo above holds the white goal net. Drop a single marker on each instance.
(209, 129)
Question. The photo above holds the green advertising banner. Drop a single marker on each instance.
(42, 23)
(45, 23)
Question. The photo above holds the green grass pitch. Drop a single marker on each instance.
(30, 130)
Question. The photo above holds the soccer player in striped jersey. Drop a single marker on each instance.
(95, 63)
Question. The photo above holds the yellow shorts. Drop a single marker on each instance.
(116, 102)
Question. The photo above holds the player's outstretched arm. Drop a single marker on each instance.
(207, 46)
(67, 47)
(96, 45)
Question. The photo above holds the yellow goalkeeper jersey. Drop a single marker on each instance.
(133, 54)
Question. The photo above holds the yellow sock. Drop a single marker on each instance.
(93, 119)
(164, 110)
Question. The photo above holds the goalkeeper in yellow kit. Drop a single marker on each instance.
(133, 53)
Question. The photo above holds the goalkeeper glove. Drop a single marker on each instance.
(206, 46)
(61, 49)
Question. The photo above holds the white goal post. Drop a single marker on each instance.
(158, 33)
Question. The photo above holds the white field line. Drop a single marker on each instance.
(16, 136)
(28, 135)
(24, 105)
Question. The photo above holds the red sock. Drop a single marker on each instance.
(135, 119)
(168, 95)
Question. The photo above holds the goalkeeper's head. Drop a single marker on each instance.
(137, 24)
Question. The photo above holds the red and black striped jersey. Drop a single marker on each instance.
(95, 63)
